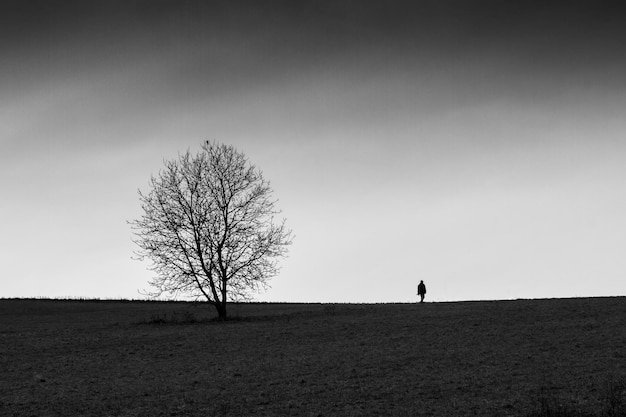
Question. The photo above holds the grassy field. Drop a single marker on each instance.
(498, 358)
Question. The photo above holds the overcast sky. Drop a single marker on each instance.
(479, 146)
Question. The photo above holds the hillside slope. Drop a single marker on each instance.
(499, 358)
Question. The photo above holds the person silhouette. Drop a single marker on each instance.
(421, 291)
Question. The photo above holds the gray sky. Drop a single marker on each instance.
(477, 145)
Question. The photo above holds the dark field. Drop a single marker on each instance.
(499, 358)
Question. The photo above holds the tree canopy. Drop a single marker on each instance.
(210, 227)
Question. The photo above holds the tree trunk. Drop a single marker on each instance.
(221, 309)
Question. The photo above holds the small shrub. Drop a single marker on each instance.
(157, 319)
(185, 317)
(189, 317)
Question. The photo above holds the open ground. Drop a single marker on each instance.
(134, 358)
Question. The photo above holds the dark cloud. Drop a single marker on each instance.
(332, 25)
(193, 48)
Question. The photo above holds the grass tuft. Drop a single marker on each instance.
(614, 399)
(184, 317)
(613, 403)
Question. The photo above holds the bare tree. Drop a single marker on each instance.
(209, 227)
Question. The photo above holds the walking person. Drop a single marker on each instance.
(421, 291)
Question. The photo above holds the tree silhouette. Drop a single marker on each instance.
(209, 227)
